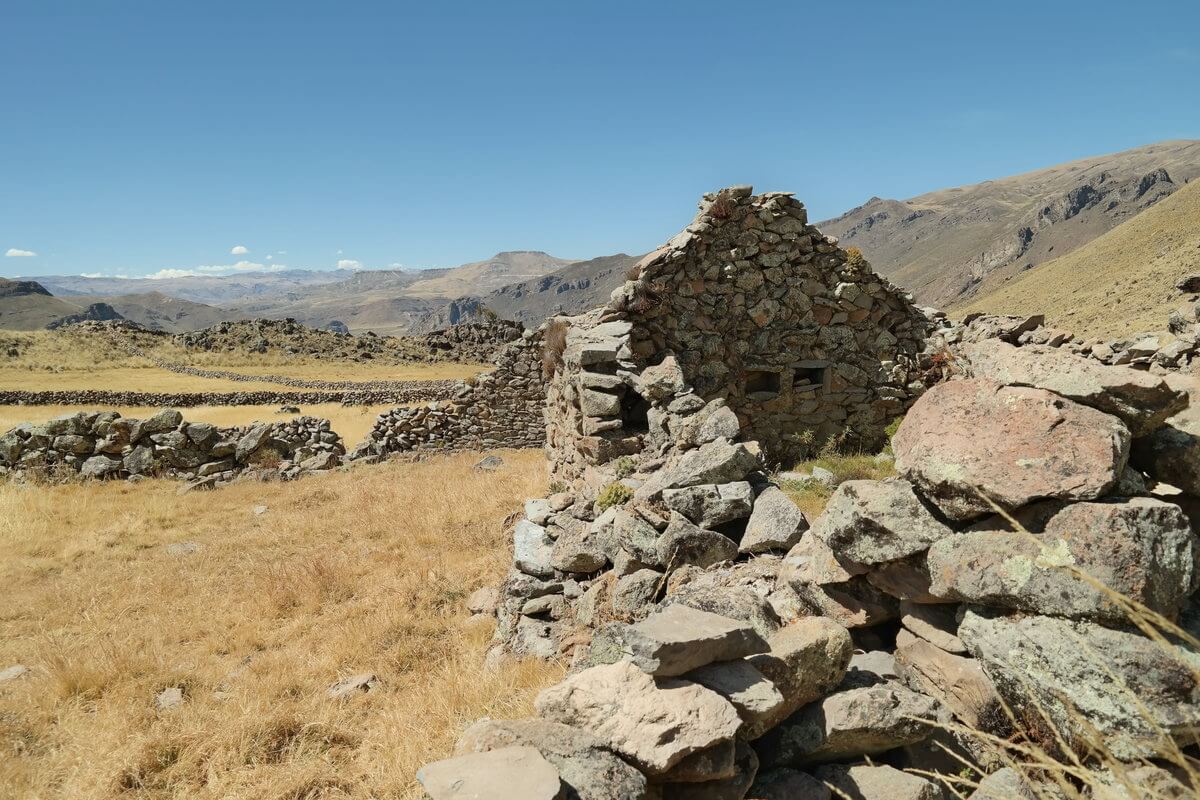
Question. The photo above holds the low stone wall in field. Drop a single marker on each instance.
(406, 392)
(502, 408)
(105, 445)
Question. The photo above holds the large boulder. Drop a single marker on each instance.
(1125, 686)
(679, 639)
(965, 442)
(587, 768)
(875, 521)
(1141, 400)
(849, 725)
(1141, 548)
(775, 524)
(511, 773)
(654, 722)
(806, 659)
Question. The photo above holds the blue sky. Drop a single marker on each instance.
(139, 136)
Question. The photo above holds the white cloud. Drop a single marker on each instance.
(269, 258)
(15, 253)
(239, 250)
(348, 263)
(217, 270)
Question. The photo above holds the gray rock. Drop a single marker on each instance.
(806, 659)
(936, 624)
(532, 550)
(483, 600)
(100, 467)
(958, 683)
(637, 537)
(875, 521)
(813, 561)
(775, 524)
(684, 543)
(877, 783)
(510, 773)
(740, 682)
(745, 768)
(587, 769)
(716, 462)
(13, 672)
(581, 549)
(1070, 666)
(633, 595)
(183, 548)
(713, 764)
(679, 639)
(353, 685)
(1141, 548)
(169, 698)
(787, 784)
(166, 420)
(655, 722)
(710, 505)
(856, 603)
(253, 441)
(849, 725)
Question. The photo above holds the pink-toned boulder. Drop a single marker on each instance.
(968, 440)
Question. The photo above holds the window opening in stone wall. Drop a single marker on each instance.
(808, 378)
(635, 413)
(762, 384)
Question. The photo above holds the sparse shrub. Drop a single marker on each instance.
(722, 207)
(554, 342)
(614, 494)
(266, 458)
(624, 466)
(488, 314)
(556, 487)
(855, 257)
(634, 272)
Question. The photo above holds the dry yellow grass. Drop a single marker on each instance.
(149, 378)
(1121, 283)
(351, 422)
(363, 571)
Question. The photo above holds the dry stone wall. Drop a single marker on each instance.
(501, 408)
(105, 445)
(412, 392)
(723, 645)
(750, 305)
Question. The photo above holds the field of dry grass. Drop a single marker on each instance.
(351, 422)
(360, 571)
(1118, 284)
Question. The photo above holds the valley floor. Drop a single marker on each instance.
(363, 571)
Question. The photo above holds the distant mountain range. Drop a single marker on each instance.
(943, 245)
(951, 247)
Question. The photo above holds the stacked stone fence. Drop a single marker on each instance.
(414, 392)
(723, 645)
(105, 445)
(501, 408)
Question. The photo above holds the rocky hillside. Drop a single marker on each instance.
(1119, 283)
(29, 306)
(162, 312)
(944, 244)
(571, 290)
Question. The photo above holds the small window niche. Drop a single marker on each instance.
(762, 384)
(809, 376)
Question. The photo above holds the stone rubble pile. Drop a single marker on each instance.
(105, 445)
(724, 646)
(1174, 349)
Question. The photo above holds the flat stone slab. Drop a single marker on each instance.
(711, 504)
(806, 659)
(533, 549)
(679, 639)
(740, 682)
(877, 783)
(655, 722)
(510, 773)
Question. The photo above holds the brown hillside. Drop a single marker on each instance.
(1120, 283)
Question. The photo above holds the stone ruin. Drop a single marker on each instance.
(749, 305)
(105, 445)
(722, 645)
